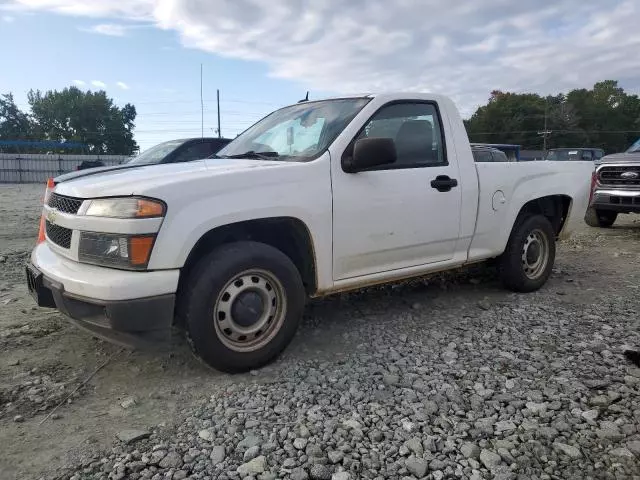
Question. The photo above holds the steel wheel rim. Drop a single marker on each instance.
(535, 254)
(231, 331)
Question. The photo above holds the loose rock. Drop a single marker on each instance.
(568, 450)
(416, 466)
(251, 453)
(217, 454)
(341, 476)
(132, 435)
(319, 472)
(206, 435)
(470, 450)
(490, 459)
(299, 474)
(171, 460)
(253, 467)
(300, 443)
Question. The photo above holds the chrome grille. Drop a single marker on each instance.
(64, 204)
(620, 176)
(59, 235)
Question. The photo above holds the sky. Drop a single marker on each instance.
(265, 54)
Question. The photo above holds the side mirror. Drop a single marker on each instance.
(368, 153)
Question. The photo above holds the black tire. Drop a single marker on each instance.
(515, 271)
(600, 218)
(210, 281)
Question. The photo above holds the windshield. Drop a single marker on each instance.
(562, 155)
(635, 147)
(155, 154)
(296, 133)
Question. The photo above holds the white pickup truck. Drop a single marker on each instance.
(316, 198)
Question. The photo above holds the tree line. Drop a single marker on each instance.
(69, 116)
(604, 117)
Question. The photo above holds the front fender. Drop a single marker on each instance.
(307, 197)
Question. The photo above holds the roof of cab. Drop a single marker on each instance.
(384, 96)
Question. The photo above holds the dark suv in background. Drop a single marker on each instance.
(182, 150)
(173, 151)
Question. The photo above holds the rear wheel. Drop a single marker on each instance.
(600, 218)
(527, 261)
(243, 304)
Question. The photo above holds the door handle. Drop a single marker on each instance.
(443, 183)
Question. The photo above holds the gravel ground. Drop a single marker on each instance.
(448, 377)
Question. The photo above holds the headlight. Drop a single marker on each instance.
(116, 250)
(126, 207)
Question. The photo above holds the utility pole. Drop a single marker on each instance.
(545, 132)
(201, 106)
(218, 96)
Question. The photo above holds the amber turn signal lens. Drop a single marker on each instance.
(149, 208)
(41, 235)
(47, 192)
(140, 250)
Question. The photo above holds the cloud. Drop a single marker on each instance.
(98, 83)
(110, 29)
(131, 9)
(8, 18)
(464, 49)
(122, 85)
(13, 7)
(80, 83)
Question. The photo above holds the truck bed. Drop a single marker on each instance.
(503, 185)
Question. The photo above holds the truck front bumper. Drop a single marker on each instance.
(621, 201)
(89, 296)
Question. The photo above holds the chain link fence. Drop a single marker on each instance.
(36, 168)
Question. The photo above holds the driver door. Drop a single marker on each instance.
(392, 217)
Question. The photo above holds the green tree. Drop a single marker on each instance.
(508, 118)
(605, 116)
(14, 124)
(91, 118)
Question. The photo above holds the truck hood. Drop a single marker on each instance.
(621, 158)
(137, 180)
(88, 171)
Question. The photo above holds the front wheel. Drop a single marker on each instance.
(527, 261)
(243, 304)
(600, 218)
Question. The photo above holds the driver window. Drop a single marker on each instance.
(415, 128)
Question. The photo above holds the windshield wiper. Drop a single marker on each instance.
(253, 154)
